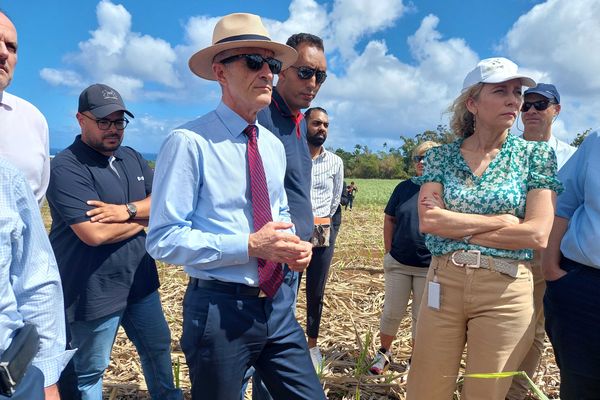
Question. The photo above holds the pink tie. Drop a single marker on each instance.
(270, 274)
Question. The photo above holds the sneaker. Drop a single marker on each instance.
(317, 358)
(382, 361)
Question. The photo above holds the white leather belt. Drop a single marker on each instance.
(474, 259)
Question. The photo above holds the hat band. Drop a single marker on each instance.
(243, 37)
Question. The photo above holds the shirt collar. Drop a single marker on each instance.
(232, 121)
(321, 154)
(95, 155)
(284, 110)
(7, 100)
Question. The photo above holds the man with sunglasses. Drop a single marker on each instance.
(99, 197)
(540, 108)
(220, 209)
(296, 87)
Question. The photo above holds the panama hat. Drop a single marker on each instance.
(234, 31)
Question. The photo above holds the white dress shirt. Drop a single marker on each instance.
(24, 141)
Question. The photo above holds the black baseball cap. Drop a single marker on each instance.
(101, 100)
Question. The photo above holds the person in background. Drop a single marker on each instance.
(327, 183)
(232, 235)
(405, 261)
(24, 131)
(571, 267)
(30, 290)
(351, 190)
(99, 197)
(486, 201)
(297, 86)
(540, 109)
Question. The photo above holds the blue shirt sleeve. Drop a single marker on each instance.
(34, 293)
(573, 176)
(172, 237)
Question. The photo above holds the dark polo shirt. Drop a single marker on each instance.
(98, 281)
(408, 244)
(278, 119)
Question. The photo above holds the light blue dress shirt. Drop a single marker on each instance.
(30, 289)
(580, 203)
(201, 213)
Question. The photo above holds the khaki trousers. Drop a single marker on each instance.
(520, 387)
(490, 312)
(400, 281)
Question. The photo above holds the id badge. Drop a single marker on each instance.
(433, 295)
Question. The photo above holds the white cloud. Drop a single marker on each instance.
(117, 56)
(379, 97)
(558, 41)
(351, 20)
(57, 77)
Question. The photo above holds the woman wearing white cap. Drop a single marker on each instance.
(486, 201)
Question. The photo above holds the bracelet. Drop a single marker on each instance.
(467, 239)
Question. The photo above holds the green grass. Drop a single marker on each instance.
(373, 192)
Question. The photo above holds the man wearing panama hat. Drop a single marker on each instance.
(220, 209)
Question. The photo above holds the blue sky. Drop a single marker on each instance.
(394, 66)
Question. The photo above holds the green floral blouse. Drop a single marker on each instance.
(519, 167)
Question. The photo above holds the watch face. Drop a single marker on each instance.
(131, 209)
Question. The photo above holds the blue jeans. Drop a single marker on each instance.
(224, 334)
(145, 325)
(31, 386)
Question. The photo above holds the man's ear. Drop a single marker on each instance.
(80, 119)
(219, 72)
(556, 110)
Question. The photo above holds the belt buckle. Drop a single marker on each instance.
(262, 294)
(477, 263)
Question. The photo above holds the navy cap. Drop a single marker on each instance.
(101, 100)
(545, 89)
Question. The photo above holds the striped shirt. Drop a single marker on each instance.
(30, 288)
(327, 182)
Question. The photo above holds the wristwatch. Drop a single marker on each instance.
(131, 209)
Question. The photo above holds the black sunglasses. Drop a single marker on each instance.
(418, 159)
(307, 73)
(539, 105)
(255, 62)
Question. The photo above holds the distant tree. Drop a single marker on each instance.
(579, 138)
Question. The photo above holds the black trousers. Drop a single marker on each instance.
(316, 279)
(572, 311)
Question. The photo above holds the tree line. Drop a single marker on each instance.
(396, 162)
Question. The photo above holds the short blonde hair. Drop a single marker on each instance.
(462, 121)
(422, 147)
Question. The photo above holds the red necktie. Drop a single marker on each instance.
(270, 274)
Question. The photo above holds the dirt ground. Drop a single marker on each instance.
(354, 299)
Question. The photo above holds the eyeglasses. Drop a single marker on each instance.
(307, 73)
(539, 105)
(104, 124)
(418, 159)
(255, 62)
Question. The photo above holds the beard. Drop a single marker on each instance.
(316, 140)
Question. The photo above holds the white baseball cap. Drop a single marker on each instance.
(495, 70)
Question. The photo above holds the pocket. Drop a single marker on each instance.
(560, 281)
(197, 311)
